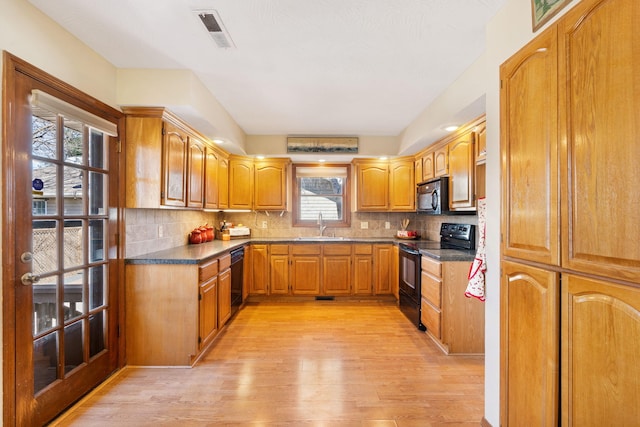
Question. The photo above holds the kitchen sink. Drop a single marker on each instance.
(318, 238)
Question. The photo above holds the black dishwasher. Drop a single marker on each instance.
(237, 273)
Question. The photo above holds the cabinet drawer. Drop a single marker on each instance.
(337, 249)
(207, 270)
(362, 249)
(225, 262)
(432, 266)
(305, 250)
(430, 317)
(279, 249)
(431, 289)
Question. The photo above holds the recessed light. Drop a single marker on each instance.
(260, 157)
(451, 128)
(384, 158)
(218, 141)
(321, 160)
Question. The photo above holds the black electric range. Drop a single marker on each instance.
(453, 238)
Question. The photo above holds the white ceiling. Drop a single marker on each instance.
(315, 67)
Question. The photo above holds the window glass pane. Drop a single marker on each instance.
(73, 346)
(44, 182)
(96, 287)
(96, 333)
(45, 361)
(73, 191)
(73, 243)
(45, 247)
(72, 142)
(312, 206)
(97, 193)
(43, 128)
(322, 186)
(45, 304)
(97, 148)
(96, 240)
(73, 294)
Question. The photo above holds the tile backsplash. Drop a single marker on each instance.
(150, 230)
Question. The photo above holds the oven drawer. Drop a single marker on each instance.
(431, 289)
(432, 266)
(430, 317)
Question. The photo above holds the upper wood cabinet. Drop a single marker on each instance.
(240, 182)
(428, 168)
(383, 185)
(223, 181)
(195, 173)
(441, 161)
(480, 133)
(402, 184)
(372, 185)
(530, 229)
(599, 104)
(461, 173)
(270, 184)
(157, 140)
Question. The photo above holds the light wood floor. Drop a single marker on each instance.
(320, 363)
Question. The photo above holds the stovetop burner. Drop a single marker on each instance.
(452, 236)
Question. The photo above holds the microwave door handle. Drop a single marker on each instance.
(434, 200)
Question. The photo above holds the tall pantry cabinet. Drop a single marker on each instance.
(570, 273)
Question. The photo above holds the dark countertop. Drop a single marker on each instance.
(195, 254)
(449, 254)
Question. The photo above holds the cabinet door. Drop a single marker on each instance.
(461, 173)
(211, 179)
(441, 161)
(373, 186)
(224, 297)
(305, 269)
(480, 136)
(383, 268)
(270, 185)
(195, 173)
(530, 152)
(418, 169)
(336, 274)
(240, 183)
(259, 270)
(600, 348)
(529, 346)
(428, 168)
(402, 185)
(223, 183)
(279, 274)
(208, 311)
(362, 269)
(600, 102)
(174, 166)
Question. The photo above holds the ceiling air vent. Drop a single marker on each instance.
(215, 27)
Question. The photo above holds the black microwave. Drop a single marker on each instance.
(432, 197)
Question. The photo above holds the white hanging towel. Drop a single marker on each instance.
(475, 288)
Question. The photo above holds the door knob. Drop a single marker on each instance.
(29, 278)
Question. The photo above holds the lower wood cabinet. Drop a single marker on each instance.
(336, 269)
(305, 269)
(455, 322)
(174, 311)
(224, 290)
(324, 269)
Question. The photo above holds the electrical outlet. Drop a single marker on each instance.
(264, 224)
(160, 231)
(364, 225)
(387, 225)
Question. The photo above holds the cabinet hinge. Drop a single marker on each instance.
(199, 297)
(164, 131)
(199, 340)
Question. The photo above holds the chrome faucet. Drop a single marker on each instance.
(321, 225)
